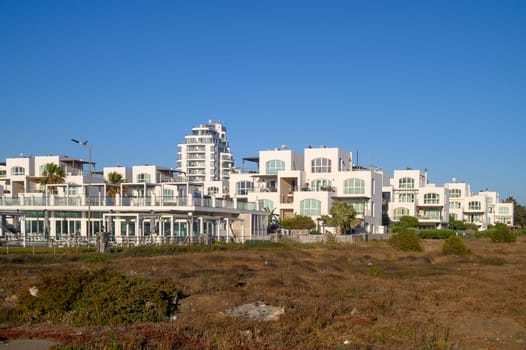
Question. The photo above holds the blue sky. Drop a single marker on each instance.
(422, 84)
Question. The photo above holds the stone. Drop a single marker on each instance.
(256, 311)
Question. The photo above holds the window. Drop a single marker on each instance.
(18, 170)
(406, 182)
(359, 207)
(143, 178)
(504, 210)
(321, 165)
(431, 198)
(406, 198)
(320, 185)
(273, 166)
(354, 186)
(399, 212)
(265, 203)
(168, 193)
(243, 187)
(454, 205)
(455, 193)
(310, 207)
(431, 214)
(453, 216)
(475, 205)
(503, 220)
(213, 190)
(73, 190)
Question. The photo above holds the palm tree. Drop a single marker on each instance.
(52, 175)
(343, 216)
(114, 181)
(272, 218)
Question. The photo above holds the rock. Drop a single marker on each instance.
(33, 291)
(256, 311)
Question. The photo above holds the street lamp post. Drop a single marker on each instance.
(85, 144)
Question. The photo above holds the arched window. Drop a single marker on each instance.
(431, 198)
(406, 197)
(243, 187)
(406, 182)
(265, 203)
(474, 205)
(455, 193)
(212, 190)
(18, 170)
(273, 166)
(144, 178)
(321, 165)
(320, 185)
(354, 186)
(310, 207)
(399, 212)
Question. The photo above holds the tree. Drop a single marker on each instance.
(52, 175)
(343, 216)
(298, 222)
(114, 181)
(272, 219)
(519, 212)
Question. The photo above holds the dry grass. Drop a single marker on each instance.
(361, 296)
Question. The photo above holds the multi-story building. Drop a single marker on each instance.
(205, 157)
(412, 195)
(150, 204)
(482, 209)
(307, 184)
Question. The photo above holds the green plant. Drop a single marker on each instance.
(436, 233)
(100, 297)
(376, 270)
(453, 245)
(501, 234)
(298, 222)
(406, 240)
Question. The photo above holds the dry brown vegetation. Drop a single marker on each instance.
(364, 295)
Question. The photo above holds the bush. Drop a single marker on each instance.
(501, 234)
(298, 222)
(436, 233)
(406, 240)
(453, 245)
(97, 298)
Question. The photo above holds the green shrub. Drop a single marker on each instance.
(97, 298)
(436, 233)
(453, 245)
(298, 222)
(406, 240)
(501, 234)
(376, 270)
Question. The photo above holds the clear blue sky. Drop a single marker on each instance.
(421, 84)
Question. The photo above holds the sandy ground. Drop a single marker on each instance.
(27, 344)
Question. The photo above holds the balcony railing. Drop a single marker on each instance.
(149, 201)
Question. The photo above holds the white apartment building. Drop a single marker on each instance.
(152, 204)
(307, 184)
(205, 157)
(482, 209)
(412, 195)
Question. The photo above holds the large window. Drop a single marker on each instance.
(320, 185)
(504, 210)
(359, 207)
(474, 205)
(321, 165)
(265, 203)
(431, 214)
(455, 193)
(399, 212)
(243, 187)
(273, 166)
(18, 170)
(310, 207)
(454, 205)
(354, 186)
(406, 182)
(144, 178)
(431, 198)
(406, 197)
